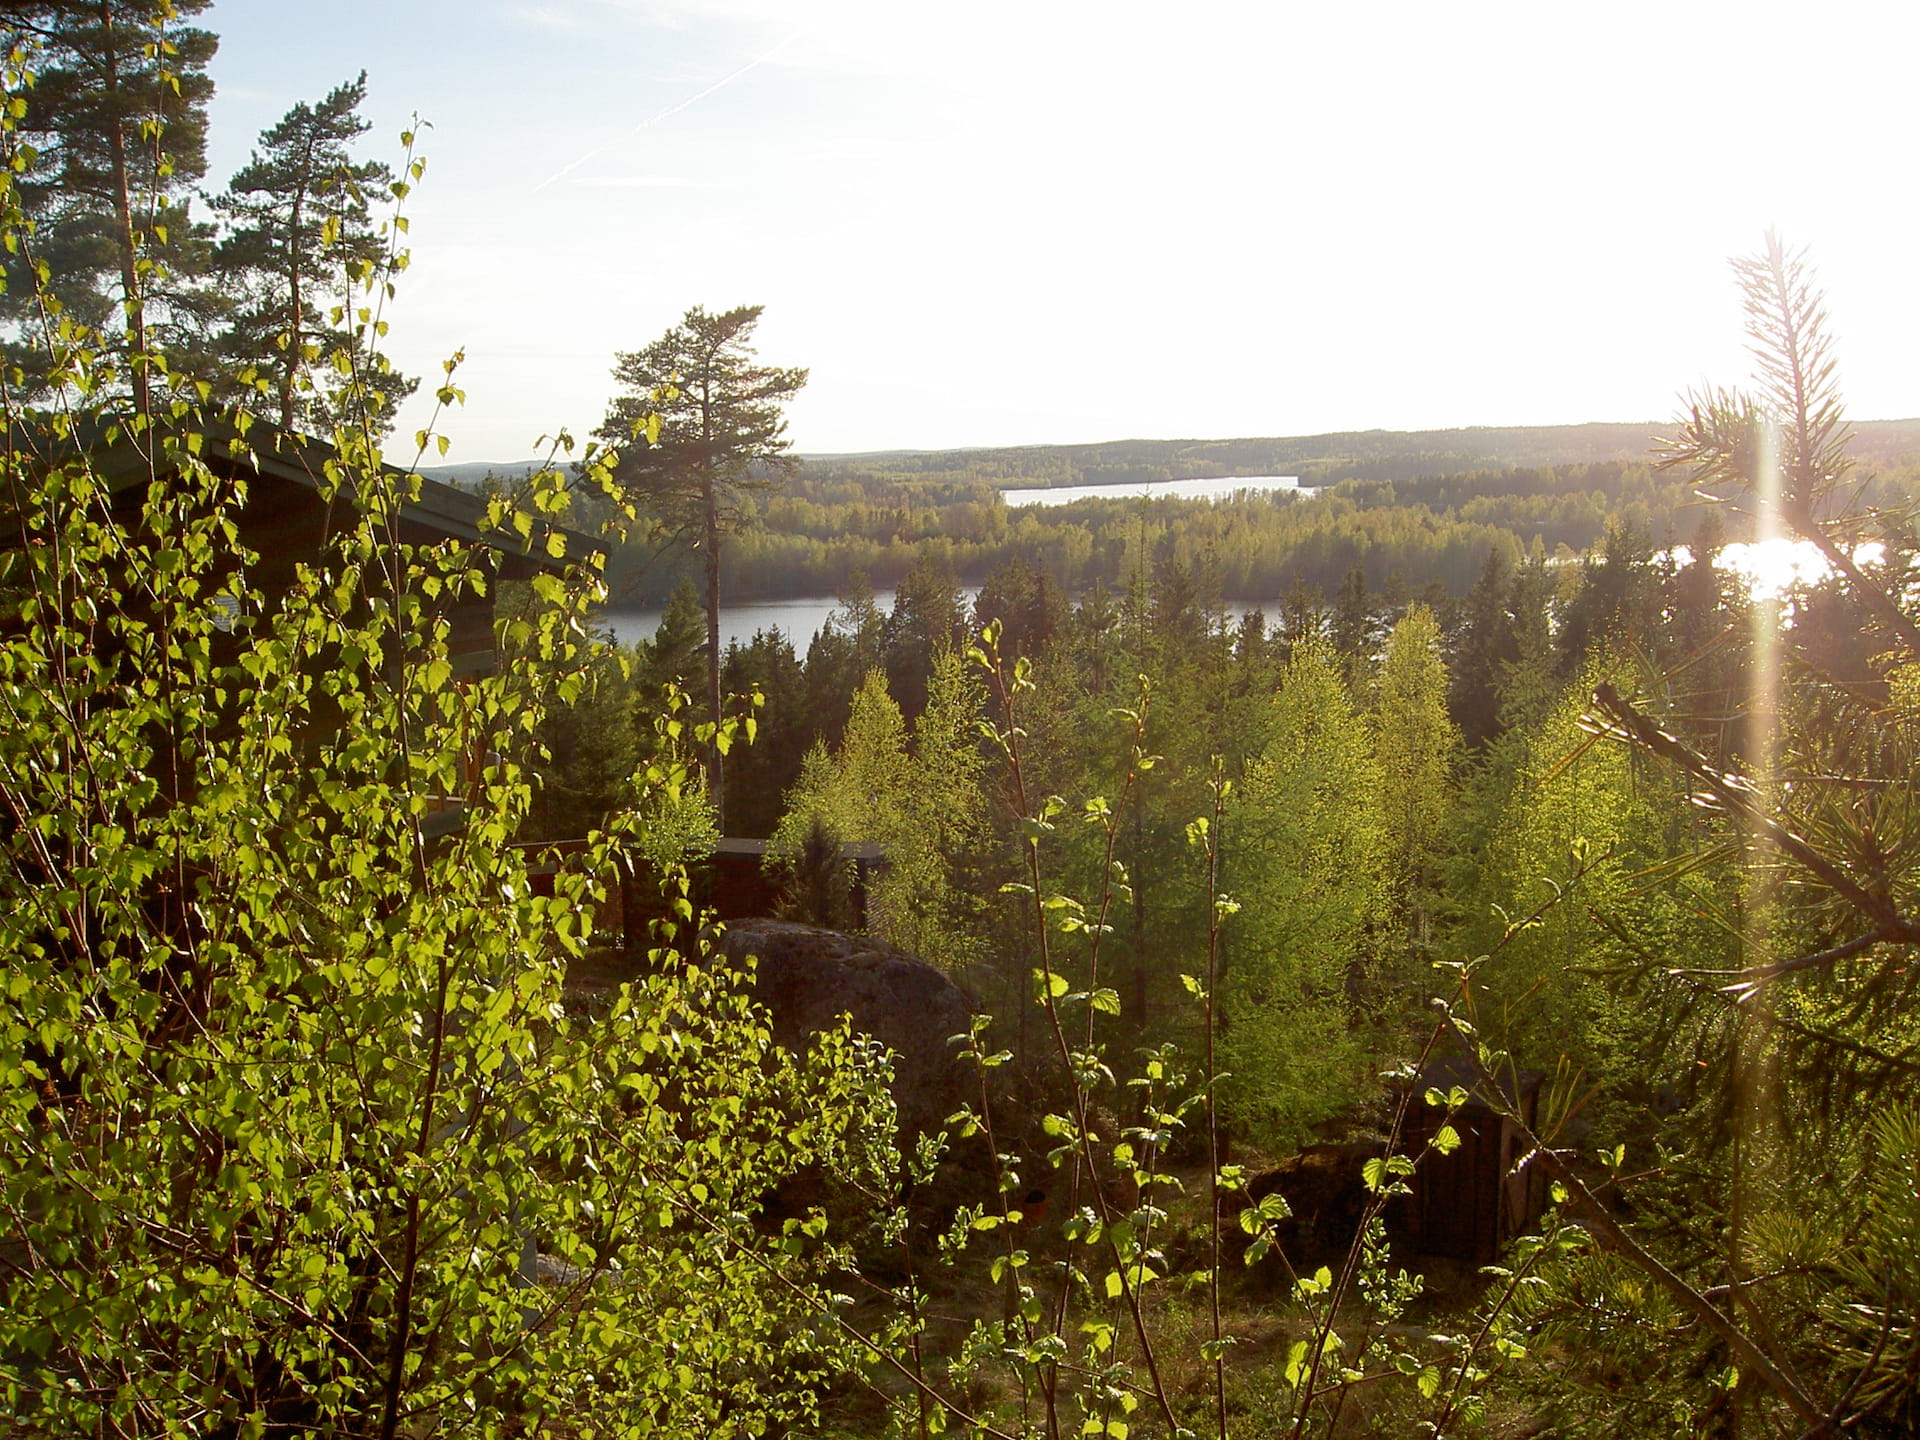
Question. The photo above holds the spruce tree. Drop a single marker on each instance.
(1486, 646)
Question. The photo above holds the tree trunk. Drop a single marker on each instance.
(134, 312)
(291, 362)
(712, 540)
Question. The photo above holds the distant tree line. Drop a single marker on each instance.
(1418, 534)
(1314, 459)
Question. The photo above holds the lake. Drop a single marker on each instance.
(798, 620)
(1220, 488)
(1768, 567)
(801, 620)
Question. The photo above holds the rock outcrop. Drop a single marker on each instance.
(808, 978)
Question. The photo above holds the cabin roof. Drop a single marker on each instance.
(123, 460)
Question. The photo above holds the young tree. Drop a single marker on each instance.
(1306, 858)
(858, 793)
(1542, 999)
(700, 427)
(297, 1135)
(299, 237)
(292, 1107)
(923, 804)
(1415, 745)
(116, 118)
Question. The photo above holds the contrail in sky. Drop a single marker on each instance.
(673, 110)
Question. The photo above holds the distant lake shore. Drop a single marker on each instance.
(801, 620)
(1767, 567)
(1217, 488)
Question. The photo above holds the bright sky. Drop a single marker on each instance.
(1067, 220)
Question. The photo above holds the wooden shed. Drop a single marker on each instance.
(292, 508)
(1467, 1205)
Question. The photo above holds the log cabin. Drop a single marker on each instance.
(294, 498)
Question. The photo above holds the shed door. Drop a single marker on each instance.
(1459, 1194)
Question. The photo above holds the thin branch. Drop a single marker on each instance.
(1734, 794)
(786, 1282)
(1778, 1378)
(1752, 978)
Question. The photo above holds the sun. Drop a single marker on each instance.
(1773, 566)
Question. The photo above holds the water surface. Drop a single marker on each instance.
(1220, 488)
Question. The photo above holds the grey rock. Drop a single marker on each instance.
(808, 978)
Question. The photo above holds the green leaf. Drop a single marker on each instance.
(1295, 1369)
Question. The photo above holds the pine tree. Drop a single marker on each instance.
(300, 238)
(701, 428)
(116, 130)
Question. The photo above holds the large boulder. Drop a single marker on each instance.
(808, 978)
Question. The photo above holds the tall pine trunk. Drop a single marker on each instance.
(134, 310)
(712, 543)
(296, 309)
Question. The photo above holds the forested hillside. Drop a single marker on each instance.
(1473, 997)
(1586, 796)
(1417, 510)
(1316, 459)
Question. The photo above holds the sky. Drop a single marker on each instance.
(1051, 221)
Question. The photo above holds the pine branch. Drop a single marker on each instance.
(1777, 1377)
(1736, 795)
